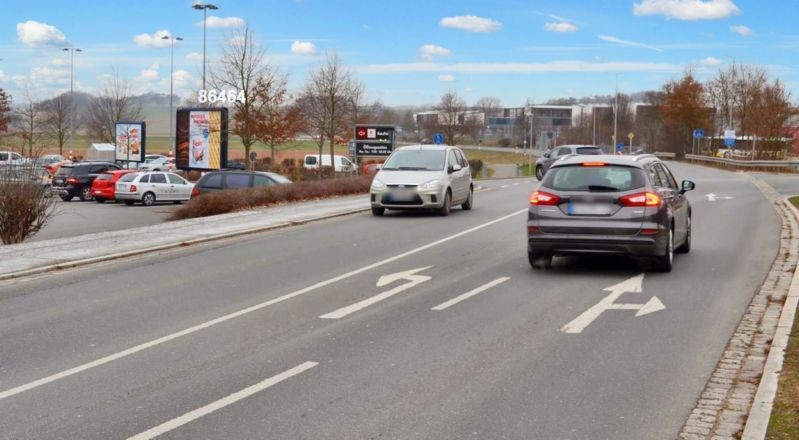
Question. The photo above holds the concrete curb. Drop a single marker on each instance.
(760, 414)
(183, 243)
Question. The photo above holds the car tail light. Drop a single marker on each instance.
(544, 198)
(641, 199)
(648, 231)
(133, 188)
(533, 229)
(72, 180)
(593, 164)
(195, 192)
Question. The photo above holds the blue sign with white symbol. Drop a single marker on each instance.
(729, 142)
(729, 138)
(438, 139)
(619, 147)
(699, 133)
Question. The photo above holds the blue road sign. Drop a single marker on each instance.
(699, 133)
(438, 139)
(619, 147)
(729, 142)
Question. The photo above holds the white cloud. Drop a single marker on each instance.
(562, 26)
(446, 78)
(155, 66)
(182, 78)
(60, 62)
(34, 33)
(742, 30)
(153, 41)
(468, 89)
(147, 75)
(549, 67)
(236, 40)
(303, 48)
(617, 40)
(194, 56)
(221, 22)
(428, 51)
(710, 61)
(471, 23)
(687, 9)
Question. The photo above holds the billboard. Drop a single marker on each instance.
(130, 141)
(374, 140)
(201, 138)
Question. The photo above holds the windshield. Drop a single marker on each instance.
(416, 160)
(594, 178)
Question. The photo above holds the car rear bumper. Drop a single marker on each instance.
(63, 190)
(568, 244)
(102, 193)
(127, 196)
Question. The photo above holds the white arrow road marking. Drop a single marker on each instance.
(470, 294)
(712, 197)
(221, 403)
(409, 275)
(632, 285)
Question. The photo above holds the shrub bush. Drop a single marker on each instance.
(222, 202)
(26, 205)
(504, 142)
(475, 165)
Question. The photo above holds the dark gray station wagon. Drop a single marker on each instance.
(628, 205)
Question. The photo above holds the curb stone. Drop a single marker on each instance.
(725, 406)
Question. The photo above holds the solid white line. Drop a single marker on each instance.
(470, 293)
(221, 403)
(504, 186)
(228, 317)
(414, 280)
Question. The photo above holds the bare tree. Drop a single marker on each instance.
(489, 105)
(241, 68)
(450, 108)
(115, 103)
(28, 123)
(5, 110)
(330, 89)
(275, 122)
(314, 119)
(56, 121)
(25, 202)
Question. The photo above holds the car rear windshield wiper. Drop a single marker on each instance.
(602, 188)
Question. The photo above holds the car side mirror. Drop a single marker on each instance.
(687, 185)
(453, 168)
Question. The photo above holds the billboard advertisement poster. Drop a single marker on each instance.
(130, 141)
(201, 141)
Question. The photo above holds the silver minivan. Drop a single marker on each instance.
(423, 177)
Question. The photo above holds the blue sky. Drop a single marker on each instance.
(407, 52)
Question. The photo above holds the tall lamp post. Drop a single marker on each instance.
(71, 51)
(204, 7)
(171, 84)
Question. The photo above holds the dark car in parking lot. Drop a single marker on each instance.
(222, 180)
(543, 163)
(624, 205)
(75, 179)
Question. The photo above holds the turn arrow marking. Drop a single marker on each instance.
(632, 285)
(410, 275)
(712, 197)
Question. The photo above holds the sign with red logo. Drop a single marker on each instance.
(374, 140)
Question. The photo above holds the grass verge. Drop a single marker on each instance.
(224, 202)
(784, 422)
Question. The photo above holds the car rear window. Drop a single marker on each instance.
(594, 178)
(130, 177)
(237, 180)
(589, 150)
(211, 181)
(105, 176)
(74, 170)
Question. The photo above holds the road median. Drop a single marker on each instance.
(50, 255)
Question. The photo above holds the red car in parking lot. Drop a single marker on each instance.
(104, 186)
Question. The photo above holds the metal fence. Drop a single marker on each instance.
(789, 166)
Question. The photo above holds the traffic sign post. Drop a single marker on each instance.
(374, 140)
(630, 136)
(729, 138)
(438, 139)
(698, 134)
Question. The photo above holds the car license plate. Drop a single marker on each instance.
(402, 195)
(587, 209)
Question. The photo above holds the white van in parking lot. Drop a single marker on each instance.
(343, 165)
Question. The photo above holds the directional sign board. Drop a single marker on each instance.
(438, 139)
(374, 140)
(699, 133)
(729, 138)
(619, 147)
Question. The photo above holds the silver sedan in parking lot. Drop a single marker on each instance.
(149, 188)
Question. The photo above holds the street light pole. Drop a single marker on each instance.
(171, 86)
(204, 7)
(71, 51)
(616, 115)
(593, 125)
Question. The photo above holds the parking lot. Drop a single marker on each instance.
(78, 218)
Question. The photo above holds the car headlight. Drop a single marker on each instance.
(433, 184)
(378, 185)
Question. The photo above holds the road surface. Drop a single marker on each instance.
(408, 326)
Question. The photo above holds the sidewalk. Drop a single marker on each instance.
(37, 257)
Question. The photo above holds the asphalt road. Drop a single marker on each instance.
(785, 184)
(78, 218)
(266, 336)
